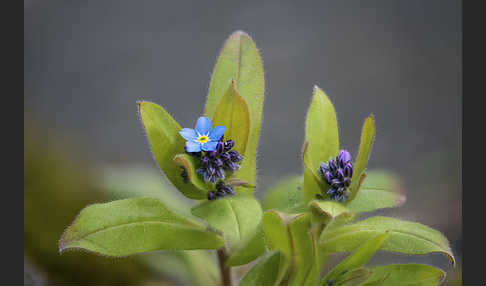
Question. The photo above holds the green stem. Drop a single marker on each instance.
(225, 271)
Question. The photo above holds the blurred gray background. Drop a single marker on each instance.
(86, 63)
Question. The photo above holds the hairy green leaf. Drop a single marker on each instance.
(367, 137)
(267, 271)
(357, 259)
(405, 274)
(404, 236)
(165, 142)
(322, 137)
(130, 226)
(237, 217)
(240, 61)
(286, 195)
(232, 112)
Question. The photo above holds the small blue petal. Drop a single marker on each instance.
(192, 146)
(188, 134)
(203, 125)
(210, 146)
(216, 133)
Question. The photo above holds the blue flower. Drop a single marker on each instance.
(202, 137)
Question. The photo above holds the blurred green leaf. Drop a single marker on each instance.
(321, 133)
(127, 181)
(352, 278)
(357, 259)
(130, 226)
(238, 218)
(232, 112)
(195, 182)
(267, 271)
(191, 267)
(380, 189)
(329, 212)
(165, 142)
(285, 195)
(405, 274)
(404, 236)
(367, 137)
(240, 61)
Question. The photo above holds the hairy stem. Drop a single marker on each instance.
(225, 271)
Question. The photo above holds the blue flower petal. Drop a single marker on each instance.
(192, 146)
(188, 134)
(216, 133)
(209, 146)
(203, 125)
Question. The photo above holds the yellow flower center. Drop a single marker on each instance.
(202, 139)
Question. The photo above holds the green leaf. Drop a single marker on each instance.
(305, 262)
(380, 189)
(352, 278)
(130, 226)
(286, 195)
(237, 217)
(165, 142)
(321, 133)
(194, 181)
(232, 112)
(290, 234)
(357, 259)
(404, 236)
(367, 136)
(240, 61)
(248, 249)
(329, 212)
(268, 271)
(405, 274)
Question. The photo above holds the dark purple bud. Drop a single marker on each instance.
(336, 183)
(324, 167)
(205, 160)
(225, 157)
(331, 191)
(230, 166)
(340, 173)
(343, 157)
(348, 170)
(210, 169)
(220, 147)
(211, 154)
(332, 165)
(211, 195)
(328, 177)
(217, 162)
(219, 173)
(184, 176)
(228, 145)
(347, 181)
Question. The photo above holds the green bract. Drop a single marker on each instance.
(302, 223)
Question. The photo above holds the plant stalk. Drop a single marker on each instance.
(225, 271)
